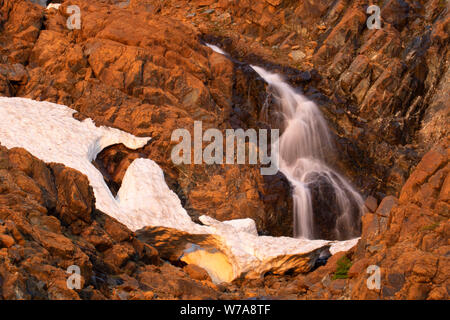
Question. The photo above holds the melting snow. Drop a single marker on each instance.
(50, 133)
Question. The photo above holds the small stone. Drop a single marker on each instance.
(371, 203)
(149, 295)
(374, 248)
(358, 268)
(6, 241)
(297, 55)
(195, 272)
(225, 17)
(274, 2)
(15, 72)
(326, 280)
(386, 206)
(337, 286)
(203, 3)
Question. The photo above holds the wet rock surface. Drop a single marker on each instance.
(329, 223)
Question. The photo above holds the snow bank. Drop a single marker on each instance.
(338, 246)
(243, 225)
(50, 133)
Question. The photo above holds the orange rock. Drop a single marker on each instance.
(6, 241)
(196, 272)
(358, 268)
(371, 203)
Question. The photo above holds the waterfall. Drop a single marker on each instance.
(325, 204)
(216, 49)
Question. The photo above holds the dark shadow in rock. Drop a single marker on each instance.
(113, 163)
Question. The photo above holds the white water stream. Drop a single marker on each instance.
(304, 145)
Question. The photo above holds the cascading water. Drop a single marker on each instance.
(325, 204)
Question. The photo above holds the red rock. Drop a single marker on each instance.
(143, 70)
(75, 195)
(196, 272)
(6, 241)
(418, 291)
(95, 235)
(118, 255)
(274, 2)
(371, 203)
(386, 205)
(358, 268)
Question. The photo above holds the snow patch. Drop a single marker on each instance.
(338, 246)
(243, 225)
(50, 133)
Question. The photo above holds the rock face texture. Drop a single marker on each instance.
(143, 68)
(384, 90)
(410, 241)
(406, 238)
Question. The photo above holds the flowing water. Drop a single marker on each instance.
(325, 205)
(322, 197)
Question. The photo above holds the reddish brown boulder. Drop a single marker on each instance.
(75, 195)
(6, 241)
(196, 272)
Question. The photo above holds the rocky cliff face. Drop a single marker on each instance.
(383, 90)
(143, 68)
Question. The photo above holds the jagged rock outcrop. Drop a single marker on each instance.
(408, 240)
(152, 84)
